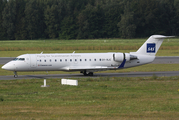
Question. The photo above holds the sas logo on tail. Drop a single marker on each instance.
(150, 47)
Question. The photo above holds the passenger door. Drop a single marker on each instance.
(33, 60)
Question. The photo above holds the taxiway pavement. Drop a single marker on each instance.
(128, 74)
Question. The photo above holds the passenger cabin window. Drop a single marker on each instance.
(55, 60)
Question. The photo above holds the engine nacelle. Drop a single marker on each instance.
(127, 56)
(119, 57)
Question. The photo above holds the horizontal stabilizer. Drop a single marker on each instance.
(162, 37)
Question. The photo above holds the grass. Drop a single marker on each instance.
(15, 48)
(94, 98)
(71, 43)
(149, 98)
(17, 53)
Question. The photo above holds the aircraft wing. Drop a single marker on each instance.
(90, 68)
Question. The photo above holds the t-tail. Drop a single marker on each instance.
(152, 45)
(146, 53)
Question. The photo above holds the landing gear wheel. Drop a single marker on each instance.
(90, 73)
(87, 73)
(15, 74)
(84, 73)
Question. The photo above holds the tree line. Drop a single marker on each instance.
(87, 19)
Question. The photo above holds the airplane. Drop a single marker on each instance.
(87, 63)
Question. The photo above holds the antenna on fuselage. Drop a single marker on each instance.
(41, 52)
(73, 52)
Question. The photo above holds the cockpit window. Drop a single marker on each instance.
(15, 59)
(19, 59)
(22, 59)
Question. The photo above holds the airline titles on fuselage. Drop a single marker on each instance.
(65, 58)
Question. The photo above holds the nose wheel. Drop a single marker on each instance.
(15, 74)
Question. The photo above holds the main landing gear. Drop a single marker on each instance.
(87, 73)
(15, 74)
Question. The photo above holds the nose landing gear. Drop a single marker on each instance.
(15, 74)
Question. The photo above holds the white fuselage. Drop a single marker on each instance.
(73, 62)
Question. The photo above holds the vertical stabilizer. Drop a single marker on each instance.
(152, 45)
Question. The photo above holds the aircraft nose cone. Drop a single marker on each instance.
(4, 67)
(7, 67)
